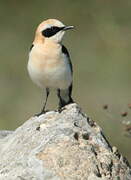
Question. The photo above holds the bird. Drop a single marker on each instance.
(49, 64)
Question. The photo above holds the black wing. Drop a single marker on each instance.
(31, 46)
(65, 51)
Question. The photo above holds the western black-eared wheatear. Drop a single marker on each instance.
(49, 64)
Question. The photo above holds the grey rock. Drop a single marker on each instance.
(60, 146)
(4, 133)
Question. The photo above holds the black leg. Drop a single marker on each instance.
(43, 109)
(47, 94)
(60, 99)
(64, 96)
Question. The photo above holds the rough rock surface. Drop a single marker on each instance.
(60, 146)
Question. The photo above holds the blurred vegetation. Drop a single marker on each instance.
(100, 48)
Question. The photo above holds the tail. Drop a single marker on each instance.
(64, 96)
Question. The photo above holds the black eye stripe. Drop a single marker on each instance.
(51, 31)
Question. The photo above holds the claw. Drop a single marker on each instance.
(42, 112)
(60, 109)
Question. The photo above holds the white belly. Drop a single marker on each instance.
(50, 73)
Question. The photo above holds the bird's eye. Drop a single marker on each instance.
(51, 31)
(54, 28)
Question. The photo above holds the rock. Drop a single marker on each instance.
(60, 146)
(4, 133)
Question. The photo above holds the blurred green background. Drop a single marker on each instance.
(100, 49)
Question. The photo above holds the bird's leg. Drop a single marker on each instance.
(64, 97)
(60, 100)
(43, 109)
(47, 94)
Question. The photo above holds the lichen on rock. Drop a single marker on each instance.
(60, 146)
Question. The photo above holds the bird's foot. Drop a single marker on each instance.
(63, 107)
(60, 109)
(42, 112)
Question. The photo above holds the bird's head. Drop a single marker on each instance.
(51, 29)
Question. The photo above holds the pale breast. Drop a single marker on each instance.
(48, 67)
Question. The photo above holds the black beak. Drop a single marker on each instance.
(68, 27)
